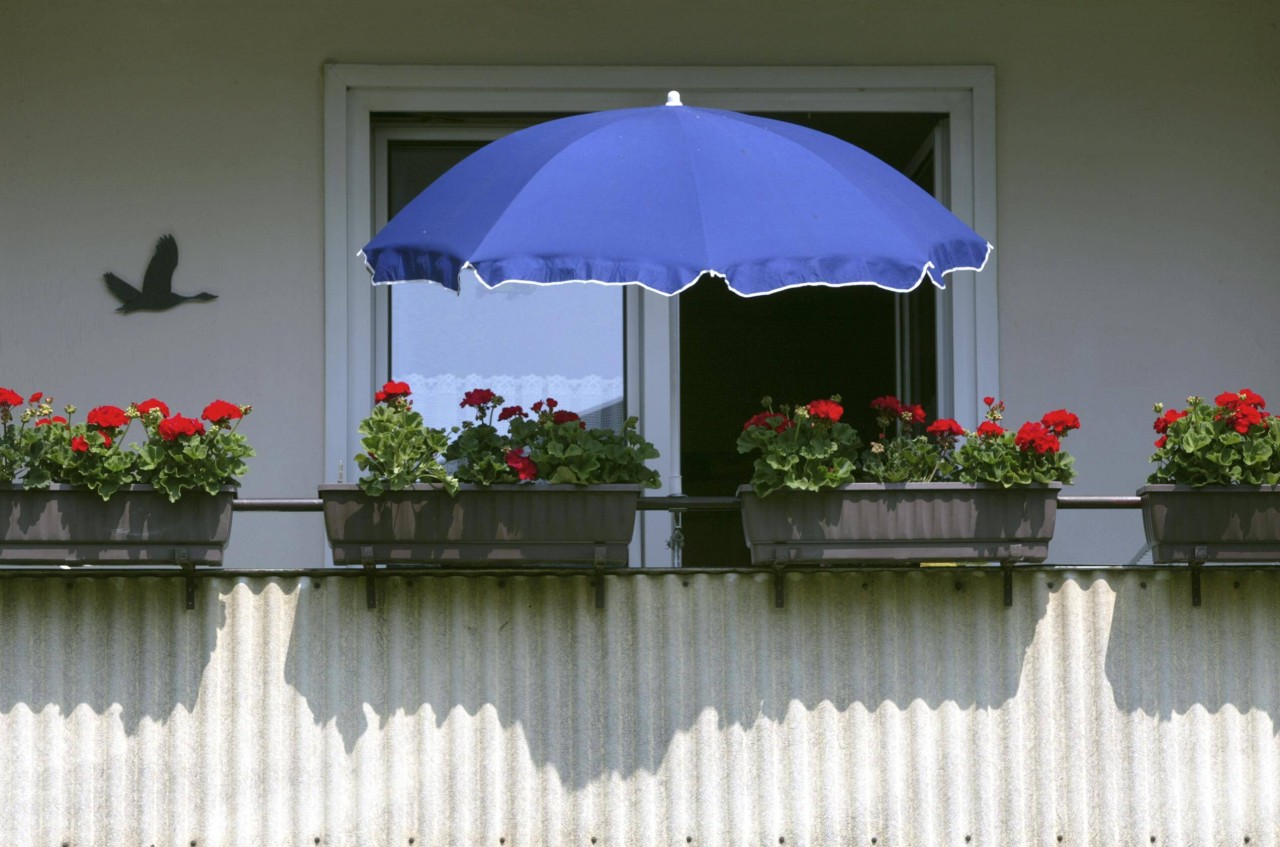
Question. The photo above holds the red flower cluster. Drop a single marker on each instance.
(990, 429)
(1060, 422)
(945, 427)
(776, 421)
(107, 417)
(509, 412)
(1244, 410)
(220, 411)
(568, 417)
(522, 465)
(178, 427)
(149, 405)
(476, 397)
(1036, 436)
(827, 409)
(550, 403)
(1163, 422)
(56, 419)
(392, 391)
(10, 398)
(891, 406)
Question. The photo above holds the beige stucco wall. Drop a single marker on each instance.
(1138, 194)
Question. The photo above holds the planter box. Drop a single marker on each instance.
(1216, 523)
(63, 525)
(495, 525)
(904, 523)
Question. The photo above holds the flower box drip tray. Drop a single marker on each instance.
(512, 525)
(62, 525)
(900, 524)
(1225, 523)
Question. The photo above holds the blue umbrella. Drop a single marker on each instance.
(660, 196)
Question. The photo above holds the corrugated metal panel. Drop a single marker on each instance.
(908, 708)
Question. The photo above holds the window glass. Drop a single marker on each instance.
(525, 342)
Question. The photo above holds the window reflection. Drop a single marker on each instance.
(526, 342)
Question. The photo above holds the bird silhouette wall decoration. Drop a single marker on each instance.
(157, 284)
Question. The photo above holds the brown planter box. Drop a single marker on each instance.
(63, 525)
(903, 523)
(495, 525)
(1212, 523)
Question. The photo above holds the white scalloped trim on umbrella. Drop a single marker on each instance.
(467, 266)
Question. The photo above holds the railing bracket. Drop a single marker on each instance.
(597, 580)
(370, 586)
(182, 556)
(1006, 571)
(1200, 555)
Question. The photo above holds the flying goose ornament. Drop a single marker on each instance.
(157, 284)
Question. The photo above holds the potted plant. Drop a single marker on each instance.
(1215, 492)
(547, 490)
(816, 496)
(76, 493)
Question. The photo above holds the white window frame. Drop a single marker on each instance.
(968, 337)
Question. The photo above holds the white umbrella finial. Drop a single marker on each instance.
(673, 98)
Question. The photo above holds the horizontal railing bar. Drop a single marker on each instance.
(1091, 501)
(345, 571)
(276, 505)
(668, 503)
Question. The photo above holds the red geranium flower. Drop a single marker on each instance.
(107, 417)
(989, 401)
(990, 429)
(390, 391)
(1035, 436)
(80, 444)
(888, 404)
(476, 397)
(551, 403)
(1244, 407)
(1243, 397)
(522, 465)
(1162, 423)
(56, 419)
(568, 417)
(776, 421)
(945, 426)
(828, 409)
(1060, 421)
(511, 412)
(220, 411)
(1161, 441)
(35, 398)
(10, 398)
(148, 405)
(1251, 398)
(178, 427)
(916, 412)
(1244, 417)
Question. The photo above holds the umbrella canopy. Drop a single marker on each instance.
(660, 196)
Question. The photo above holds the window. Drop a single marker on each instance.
(525, 342)
(647, 342)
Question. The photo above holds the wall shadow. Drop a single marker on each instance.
(123, 644)
(597, 692)
(1165, 656)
